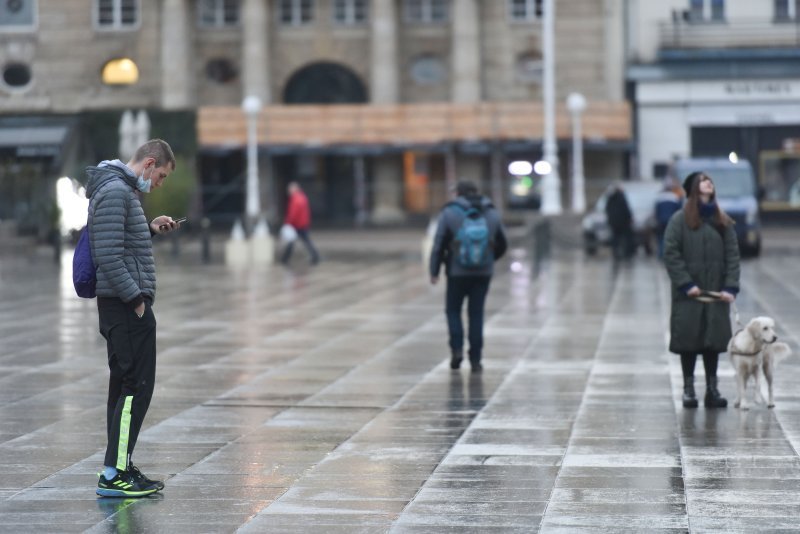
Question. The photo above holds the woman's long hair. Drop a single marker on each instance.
(691, 209)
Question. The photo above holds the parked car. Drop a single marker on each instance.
(736, 193)
(641, 198)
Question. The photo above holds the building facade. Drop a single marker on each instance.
(718, 78)
(405, 62)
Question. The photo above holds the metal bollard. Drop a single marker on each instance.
(57, 246)
(205, 236)
(541, 244)
(176, 247)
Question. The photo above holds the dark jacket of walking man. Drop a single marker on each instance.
(298, 215)
(620, 220)
(469, 239)
(122, 250)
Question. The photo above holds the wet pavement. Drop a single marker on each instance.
(321, 400)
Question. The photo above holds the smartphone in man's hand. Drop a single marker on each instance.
(179, 221)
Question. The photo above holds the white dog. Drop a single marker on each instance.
(752, 348)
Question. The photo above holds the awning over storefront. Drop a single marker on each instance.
(32, 137)
(369, 127)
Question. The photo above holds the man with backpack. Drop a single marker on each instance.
(469, 239)
(122, 250)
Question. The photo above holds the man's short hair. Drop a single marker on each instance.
(157, 149)
(465, 188)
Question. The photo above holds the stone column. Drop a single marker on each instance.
(614, 50)
(466, 52)
(387, 190)
(384, 80)
(385, 89)
(255, 50)
(176, 59)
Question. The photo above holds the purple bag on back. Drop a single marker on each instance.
(84, 272)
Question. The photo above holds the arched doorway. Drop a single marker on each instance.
(332, 180)
(325, 83)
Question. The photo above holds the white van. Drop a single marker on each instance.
(737, 194)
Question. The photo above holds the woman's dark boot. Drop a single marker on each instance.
(689, 397)
(713, 398)
(456, 355)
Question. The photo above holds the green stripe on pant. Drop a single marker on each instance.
(124, 433)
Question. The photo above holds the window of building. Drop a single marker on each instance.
(350, 11)
(221, 70)
(296, 12)
(218, 13)
(717, 9)
(529, 68)
(706, 10)
(17, 75)
(426, 11)
(120, 71)
(17, 14)
(428, 70)
(525, 9)
(786, 9)
(696, 10)
(116, 14)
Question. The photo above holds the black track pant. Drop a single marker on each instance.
(131, 343)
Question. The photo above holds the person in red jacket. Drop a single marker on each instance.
(298, 215)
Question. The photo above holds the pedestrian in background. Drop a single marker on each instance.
(667, 202)
(122, 250)
(469, 239)
(620, 220)
(298, 215)
(701, 254)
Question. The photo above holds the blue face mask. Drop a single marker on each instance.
(142, 184)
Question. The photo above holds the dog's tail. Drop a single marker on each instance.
(779, 351)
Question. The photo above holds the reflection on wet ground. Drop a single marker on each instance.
(320, 400)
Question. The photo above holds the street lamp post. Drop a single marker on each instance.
(259, 248)
(251, 106)
(551, 182)
(576, 104)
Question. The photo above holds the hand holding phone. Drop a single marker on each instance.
(164, 227)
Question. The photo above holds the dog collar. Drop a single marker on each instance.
(740, 353)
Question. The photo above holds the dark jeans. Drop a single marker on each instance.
(623, 245)
(474, 289)
(660, 231)
(303, 235)
(131, 344)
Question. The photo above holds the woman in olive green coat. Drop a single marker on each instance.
(701, 254)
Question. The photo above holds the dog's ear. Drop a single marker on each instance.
(754, 329)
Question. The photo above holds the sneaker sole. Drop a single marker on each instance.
(104, 492)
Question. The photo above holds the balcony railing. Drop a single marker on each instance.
(685, 34)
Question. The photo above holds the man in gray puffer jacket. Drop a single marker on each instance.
(469, 269)
(122, 250)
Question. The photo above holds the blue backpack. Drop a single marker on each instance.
(472, 240)
(84, 272)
